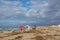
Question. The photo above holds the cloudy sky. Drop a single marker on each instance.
(42, 12)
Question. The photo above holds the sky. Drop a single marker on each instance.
(42, 12)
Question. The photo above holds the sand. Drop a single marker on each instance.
(41, 33)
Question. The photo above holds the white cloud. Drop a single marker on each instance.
(37, 9)
(9, 8)
(43, 11)
(13, 8)
(53, 8)
(31, 13)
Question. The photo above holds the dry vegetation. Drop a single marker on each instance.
(2, 35)
(47, 33)
(41, 33)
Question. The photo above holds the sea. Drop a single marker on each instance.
(15, 27)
